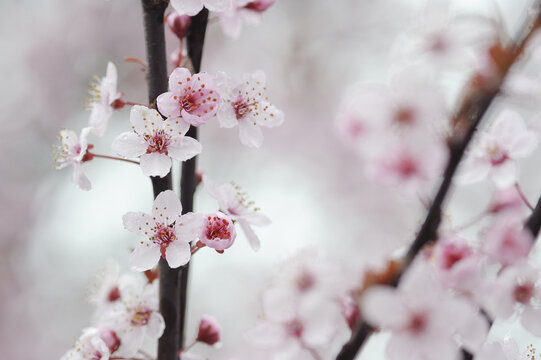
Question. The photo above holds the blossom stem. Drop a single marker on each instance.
(469, 115)
(522, 196)
(132, 103)
(113, 158)
(472, 222)
(187, 347)
(195, 39)
(157, 81)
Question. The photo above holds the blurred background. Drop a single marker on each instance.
(54, 238)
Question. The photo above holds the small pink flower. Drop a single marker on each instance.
(506, 241)
(73, 151)
(191, 97)
(104, 96)
(209, 330)
(165, 233)
(243, 10)
(192, 7)
(156, 140)
(246, 106)
(178, 24)
(217, 231)
(496, 150)
(234, 204)
(94, 344)
(505, 199)
(517, 290)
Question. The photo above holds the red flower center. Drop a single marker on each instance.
(141, 316)
(157, 142)
(523, 293)
(217, 228)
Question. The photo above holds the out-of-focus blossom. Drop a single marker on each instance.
(209, 330)
(233, 203)
(350, 311)
(517, 290)
(496, 150)
(508, 199)
(497, 350)
(106, 292)
(192, 7)
(137, 316)
(193, 98)
(178, 24)
(507, 241)
(94, 344)
(246, 106)
(104, 99)
(155, 141)
(458, 265)
(423, 319)
(165, 233)
(73, 151)
(243, 10)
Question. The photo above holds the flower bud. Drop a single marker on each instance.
(178, 24)
(209, 330)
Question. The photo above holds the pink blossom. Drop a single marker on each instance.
(506, 241)
(156, 140)
(243, 10)
(94, 344)
(505, 199)
(193, 98)
(192, 7)
(178, 24)
(497, 350)
(246, 106)
(165, 233)
(209, 330)
(496, 150)
(423, 319)
(217, 231)
(136, 316)
(517, 291)
(73, 151)
(104, 95)
(234, 204)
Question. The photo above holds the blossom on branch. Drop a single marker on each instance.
(94, 344)
(209, 330)
(243, 10)
(192, 99)
(155, 141)
(73, 151)
(234, 204)
(104, 98)
(165, 233)
(192, 7)
(496, 150)
(246, 106)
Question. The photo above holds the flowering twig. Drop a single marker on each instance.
(482, 92)
(157, 80)
(112, 158)
(188, 181)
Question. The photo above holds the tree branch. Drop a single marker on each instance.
(153, 14)
(188, 180)
(481, 93)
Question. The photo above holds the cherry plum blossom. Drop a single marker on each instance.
(517, 290)
(136, 316)
(104, 100)
(243, 10)
(234, 204)
(496, 150)
(94, 344)
(178, 24)
(165, 233)
(73, 151)
(192, 7)
(217, 231)
(155, 141)
(246, 106)
(193, 98)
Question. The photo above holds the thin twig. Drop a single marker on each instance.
(113, 158)
(522, 196)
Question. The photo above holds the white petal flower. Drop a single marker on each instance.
(73, 151)
(104, 94)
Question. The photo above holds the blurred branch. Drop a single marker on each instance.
(188, 181)
(482, 90)
(153, 13)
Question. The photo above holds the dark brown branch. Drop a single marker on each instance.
(153, 13)
(188, 180)
(482, 92)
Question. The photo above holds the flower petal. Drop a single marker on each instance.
(129, 144)
(226, 116)
(252, 238)
(167, 207)
(155, 164)
(168, 105)
(145, 256)
(178, 253)
(184, 148)
(138, 222)
(79, 178)
(155, 326)
(250, 134)
(188, 7)
(178, 79)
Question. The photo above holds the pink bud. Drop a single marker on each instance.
(178, 24)
(259, 5)
(209, 330)
(110, 339)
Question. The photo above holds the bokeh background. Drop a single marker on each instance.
(54, 238)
